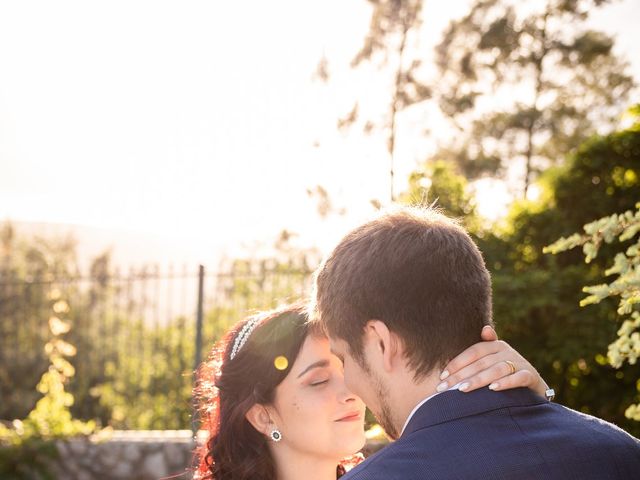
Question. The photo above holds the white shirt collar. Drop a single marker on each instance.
(415, 409)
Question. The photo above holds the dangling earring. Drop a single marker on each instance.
(275, 435)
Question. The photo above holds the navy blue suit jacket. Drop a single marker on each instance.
(514, 434)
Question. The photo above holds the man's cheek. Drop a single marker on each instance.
(350, 381)
(347, 378)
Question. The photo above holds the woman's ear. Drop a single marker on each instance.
(259, 418)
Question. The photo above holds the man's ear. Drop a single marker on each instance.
(383, 342)
(259, 418)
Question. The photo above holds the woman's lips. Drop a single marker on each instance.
(350, 417)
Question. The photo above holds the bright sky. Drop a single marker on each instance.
(199, 120)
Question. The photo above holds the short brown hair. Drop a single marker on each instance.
(416, 270)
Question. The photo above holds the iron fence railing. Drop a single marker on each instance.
(138, 335)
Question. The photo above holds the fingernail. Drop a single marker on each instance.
(442, 387)
(494, 386)
(444, 375)
(464, 387)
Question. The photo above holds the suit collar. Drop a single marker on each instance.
(453, 404)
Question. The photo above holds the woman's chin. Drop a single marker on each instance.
(352, 445)
(360, 444)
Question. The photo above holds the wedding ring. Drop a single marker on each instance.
(512, 366)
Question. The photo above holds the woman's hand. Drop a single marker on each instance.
(487, 363)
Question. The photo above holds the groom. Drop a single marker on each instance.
(399, 297)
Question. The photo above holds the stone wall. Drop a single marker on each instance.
(134, 455)
(126, 455)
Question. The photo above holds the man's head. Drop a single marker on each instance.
(416, 272)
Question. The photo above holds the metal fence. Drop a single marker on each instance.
(138, 335)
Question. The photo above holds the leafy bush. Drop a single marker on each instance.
(27, 446)
(625, 285)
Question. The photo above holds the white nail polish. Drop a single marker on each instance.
(493, 386)
(464, 387)
(442, 387)
(444, 375)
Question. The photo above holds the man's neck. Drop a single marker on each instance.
(407, 394)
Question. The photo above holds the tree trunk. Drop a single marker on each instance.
(391, 141)
(534, 110)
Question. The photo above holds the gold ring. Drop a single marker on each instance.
(512, 366)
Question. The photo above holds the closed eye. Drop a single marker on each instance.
(316, 384)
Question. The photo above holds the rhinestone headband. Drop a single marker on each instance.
(243, 336)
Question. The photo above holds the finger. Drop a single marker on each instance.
(493, 374)
(522, 378)
(488, 334)
(483, 363)
(470, 355)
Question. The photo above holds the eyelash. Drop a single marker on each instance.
(317, 384)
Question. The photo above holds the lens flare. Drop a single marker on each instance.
(281, 362)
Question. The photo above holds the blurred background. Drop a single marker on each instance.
(142, 139)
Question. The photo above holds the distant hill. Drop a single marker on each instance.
(129, 249)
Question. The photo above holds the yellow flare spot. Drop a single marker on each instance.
(281, 362)
(54, 294)
(375, 432)
(61, 307)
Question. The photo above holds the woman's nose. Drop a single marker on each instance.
(345, 395)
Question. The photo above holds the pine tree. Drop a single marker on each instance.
(525, 84)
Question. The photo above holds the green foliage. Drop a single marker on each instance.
(536, 296)
(437, 183)
(634, 111)
(553, 82)
(26, 447)
(625, 285)
(153, 389)
(147, 384)
(26, 268)
(133, 363)
(522, 84)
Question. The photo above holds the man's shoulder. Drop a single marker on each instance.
(389, 463)
(585, 426)
(511, 442)
(488, 415)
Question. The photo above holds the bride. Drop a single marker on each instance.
(274, 406)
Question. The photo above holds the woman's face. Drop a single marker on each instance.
(315, 412)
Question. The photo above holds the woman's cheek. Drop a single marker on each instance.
(319, 400)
